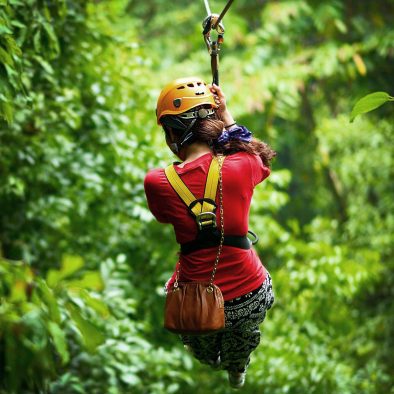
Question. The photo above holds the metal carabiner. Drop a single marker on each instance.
(209, 24)
(219, 27)
(255, 238)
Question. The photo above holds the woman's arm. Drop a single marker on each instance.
(223, 111)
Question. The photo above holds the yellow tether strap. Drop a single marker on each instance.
(187, 196)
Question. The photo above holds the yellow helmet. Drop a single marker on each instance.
(182, 95)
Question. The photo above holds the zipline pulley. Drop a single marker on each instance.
(214, 22)
(213, 46)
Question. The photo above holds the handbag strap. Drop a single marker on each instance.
(219, 159)
(221, 212)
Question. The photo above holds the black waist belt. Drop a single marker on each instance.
(238, 241)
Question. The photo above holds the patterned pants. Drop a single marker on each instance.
(241, 334)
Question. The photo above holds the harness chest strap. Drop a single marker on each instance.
(198, 207)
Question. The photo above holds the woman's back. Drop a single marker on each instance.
(241, 173)
(239, 270)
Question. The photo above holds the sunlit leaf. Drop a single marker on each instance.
(89, 280)
(97, 304)
(369, 103)
(18, 293)
(59, 340)
(5, 57)
(5, 30)
(70, 265)
(6, 111)
(91, 335)
(50, 300)
(360, 65)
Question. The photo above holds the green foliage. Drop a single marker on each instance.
(36, 316)
(78, 84)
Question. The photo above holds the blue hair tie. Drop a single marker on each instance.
(240, 133)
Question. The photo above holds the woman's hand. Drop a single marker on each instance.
(220, 100)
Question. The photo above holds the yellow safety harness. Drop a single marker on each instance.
(203, 209)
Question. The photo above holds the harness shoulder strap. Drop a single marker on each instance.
(211, 184)
(180, 188)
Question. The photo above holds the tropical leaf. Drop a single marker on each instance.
(6, 111)
(50, 300)
(95, 303)
(59, 340)
(91, 335)
(70, 265)
(89, 280)
(5, 57)
(369, 103)
(54, 43)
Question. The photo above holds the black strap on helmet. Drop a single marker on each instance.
(185, 121)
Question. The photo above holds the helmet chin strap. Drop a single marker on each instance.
(185, 137)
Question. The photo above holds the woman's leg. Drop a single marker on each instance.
(236, 347)
(205, 348)
(240, 337)
(242, 334)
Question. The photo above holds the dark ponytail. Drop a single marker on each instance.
(209, 130)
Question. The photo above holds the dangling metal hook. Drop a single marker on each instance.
(209, 23)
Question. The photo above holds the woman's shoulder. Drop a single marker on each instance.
(153, 177)
(248, 163)
(244, 157)
(241, 154)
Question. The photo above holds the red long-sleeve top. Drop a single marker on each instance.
(239, 271)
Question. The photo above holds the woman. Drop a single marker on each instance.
(198, 125)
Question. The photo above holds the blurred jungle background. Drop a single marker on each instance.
(83, 263)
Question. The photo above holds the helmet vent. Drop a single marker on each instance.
(180, 87)
(177, 102)
(190, 85)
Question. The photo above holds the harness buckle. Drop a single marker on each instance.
(205, 220)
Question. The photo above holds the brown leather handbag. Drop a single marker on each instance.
(194, 308)
(197, 308)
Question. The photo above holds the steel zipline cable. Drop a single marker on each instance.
(207, 7)
(225, 9)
